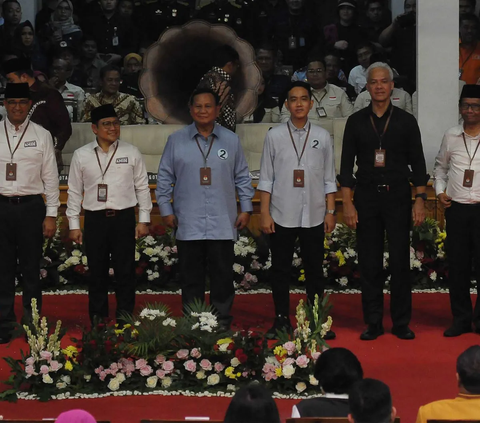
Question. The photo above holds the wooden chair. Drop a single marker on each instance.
(324, 420)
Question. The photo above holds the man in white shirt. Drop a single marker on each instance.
(358, 75)
(27, 170)
(297, 193)
(109, 175)
(457, 185)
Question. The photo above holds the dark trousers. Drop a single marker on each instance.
(380, 212)
(21, 239)
(463, 245)
(214, 258)
(115, 236)
(282, 244)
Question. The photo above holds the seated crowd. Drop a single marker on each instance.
(91, 52)
(345, 393)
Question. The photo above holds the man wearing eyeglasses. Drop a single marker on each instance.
(109, 175)
(457, 185)
(27, 170)
(329, 101)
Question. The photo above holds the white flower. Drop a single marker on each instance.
(137, 256)
(230, 387)
(149, 240)
(46, 378)
(76, 253)
(288, 371)
(166, 382)
(433, 276)
(223, 347)
(151, 382)
(85, 261)
(237, 268)
(114, 384)
(87, 377)
(120, 377)
(169, 322)
(313, 381)
(343, 281)
(201, 374)
(234, 362)
(66, 379)
(300, 387)
(149, 251)
(213, 379)
(61, 385)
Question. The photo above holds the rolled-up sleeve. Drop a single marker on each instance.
(50, 177)
(142, 191)
(267, 171)
(329, 166)
(440, 170)
(75, 193)
(243, 181)
(166, 180)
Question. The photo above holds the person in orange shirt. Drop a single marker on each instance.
(469, 58)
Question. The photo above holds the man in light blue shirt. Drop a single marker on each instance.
(297, 193)
(202, 166)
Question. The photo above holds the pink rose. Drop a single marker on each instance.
(43, 273)
(219, 367)
(302, 361)
(99, 369)
(206, 364)
(140, 363)
(160, 373)
(29, 370)
(30, 361)
(46, 355)
(55, 365)
(270, 376)
(174, 249)
(168, 366)
(196, 353)
(102, 376)
(44, 370)
(315, 355)
(245, 374)
(288, 362)
(190, 366)
(268, 368)
(255, 265)
(290, 347)
(159, 359)
(182, 354)
(114, 367)
(146, 370)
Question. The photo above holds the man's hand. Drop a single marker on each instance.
(330, 221)
(445, 200)
(76, 236)
(267, 225)
(418, 212)
(170, 221)
(242, 220)
(141, 230)
(341, 45)
(49, 226)
(350, 215)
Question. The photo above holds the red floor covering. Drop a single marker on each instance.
(417, 371)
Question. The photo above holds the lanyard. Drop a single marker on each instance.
(19, 141)
(317, 100)
(380, 137)
(475, 152)
(205, 157)
(109, 162)
(304, 144)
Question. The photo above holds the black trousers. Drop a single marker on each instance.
(214, 258)
(21, 239)
(104, 236)
(463, 245)
(380, 212)
(282, 244)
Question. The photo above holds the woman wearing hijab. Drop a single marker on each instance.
(26, 45)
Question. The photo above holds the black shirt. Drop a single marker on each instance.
(402, 143)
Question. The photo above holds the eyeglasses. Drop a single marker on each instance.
(17, 103)
(466, 106)
(111, 123)
(312, 71)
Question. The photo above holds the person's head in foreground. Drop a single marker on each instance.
(252, 404)
(370, 401)
(468, 371)
(75, 416)
(336, 370)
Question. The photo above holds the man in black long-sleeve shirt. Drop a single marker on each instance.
(385, 141)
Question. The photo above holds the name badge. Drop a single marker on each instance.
(205, 176)
(102, 193)
(468, 178)
(321, 112)
(380, 155)
(11, 172)
(292, 42)
(30, 144)
(298, 178)
(115, 41)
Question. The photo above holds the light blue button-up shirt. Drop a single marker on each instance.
(204, 211)
(290, 206)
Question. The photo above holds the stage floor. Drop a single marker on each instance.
(417, 371)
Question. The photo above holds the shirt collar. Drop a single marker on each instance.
(193, 131)
(293, 128)
(322, 90)
(12, 128)
(337, 396)
(95, 145)
(387, 112)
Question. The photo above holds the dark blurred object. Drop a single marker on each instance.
(407, 20)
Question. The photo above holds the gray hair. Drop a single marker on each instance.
(377, 65)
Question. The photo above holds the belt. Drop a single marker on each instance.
(18, 199)
(109, 212)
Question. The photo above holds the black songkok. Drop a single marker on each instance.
(470, 91)
(20, 90)
(103, 112)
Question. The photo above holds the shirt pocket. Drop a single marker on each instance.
(123, 174)
(332, 107)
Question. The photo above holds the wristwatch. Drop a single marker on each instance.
(423, 196)
(334, 212)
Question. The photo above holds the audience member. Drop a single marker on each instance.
(61, 31)
(126, 8)
(204, 213)
(12, 15)
(336, 76)
(45, 14)
(60, 70)
(263, 111)
(467, 6)
(224, 12)
(26, 45)
(399, 98)
(336, 370)
(225, 64)
(127, 108)
(294, 32)
(88, 70)
(75, 416)
(358, 75)
(329, 101)
(253, 404)
(469, 58)
(132, 65)
(370, 401)
(401, 36)
(377, 18)
(257, 15)
(467, 403)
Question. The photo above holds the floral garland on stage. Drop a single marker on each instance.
(158, 353)
(65, 264)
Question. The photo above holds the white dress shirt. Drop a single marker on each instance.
(399, 98)
(290, 206)
(358, 78)
(36, 165)
(126, 179)
(450, 165)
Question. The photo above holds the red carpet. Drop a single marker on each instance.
(417, 371)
